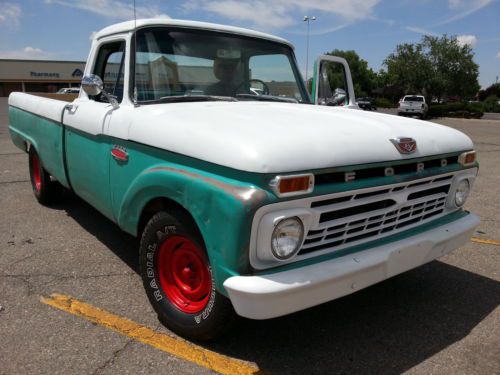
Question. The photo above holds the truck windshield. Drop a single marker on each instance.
(174, 63)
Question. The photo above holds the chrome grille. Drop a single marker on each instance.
(354, 218)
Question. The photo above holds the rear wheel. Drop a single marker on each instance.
(178, 278)
(45, 190)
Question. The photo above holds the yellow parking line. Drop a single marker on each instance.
(487, 242)
(169, 344)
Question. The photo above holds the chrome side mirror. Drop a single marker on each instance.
(93, 85)
(339, 96)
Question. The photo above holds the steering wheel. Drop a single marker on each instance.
(265, 87)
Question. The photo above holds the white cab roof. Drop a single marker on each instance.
(130, 25)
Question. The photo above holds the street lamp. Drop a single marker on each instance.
(307, 19)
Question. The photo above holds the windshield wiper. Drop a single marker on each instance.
(190, 98)
(267, 98)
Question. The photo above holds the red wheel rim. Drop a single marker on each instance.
(184, 274)
(37, 178)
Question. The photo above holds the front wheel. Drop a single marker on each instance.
(178, 279)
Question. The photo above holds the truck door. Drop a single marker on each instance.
(87, 148)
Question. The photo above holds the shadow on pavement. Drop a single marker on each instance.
(122, 244)
(385, 329)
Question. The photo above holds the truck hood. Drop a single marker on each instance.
(266, 137)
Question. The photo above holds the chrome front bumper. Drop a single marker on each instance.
(281, 293)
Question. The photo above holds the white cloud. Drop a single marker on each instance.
(29, 53)
(498, 55)
(467, 40)
(322, 31)
(352, 10)
(258, 13)
(420, 30)
(10, 14)
(465, 8)
(453, 4)
(123, 10)
(282, 13)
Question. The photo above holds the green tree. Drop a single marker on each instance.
(436, 66)
(493, 90)
(363, 77)
(409, 68)
(454, 69)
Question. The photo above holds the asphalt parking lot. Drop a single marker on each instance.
(439, 319)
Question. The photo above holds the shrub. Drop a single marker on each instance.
(491, 104)
(476, 107)
(460, 110)
(384, 103)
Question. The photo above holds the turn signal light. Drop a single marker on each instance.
(467, 158)
(292, 185)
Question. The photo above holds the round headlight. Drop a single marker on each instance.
(287, 238)
(462, 192)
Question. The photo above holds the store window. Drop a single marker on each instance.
(6, 88)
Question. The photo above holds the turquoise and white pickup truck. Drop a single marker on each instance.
(250, 197)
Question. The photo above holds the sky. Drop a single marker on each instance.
(62, 29)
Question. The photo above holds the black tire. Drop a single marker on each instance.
(45, 190)
(216, 313)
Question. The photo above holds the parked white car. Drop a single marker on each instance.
(413, 105)
(69, 90)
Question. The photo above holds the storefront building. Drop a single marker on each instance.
(38, 75)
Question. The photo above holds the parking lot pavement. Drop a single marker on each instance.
(394, 111)
(441, 318)
(491, 116)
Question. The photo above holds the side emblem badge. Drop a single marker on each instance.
(405, 145)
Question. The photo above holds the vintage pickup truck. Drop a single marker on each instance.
(248, 196)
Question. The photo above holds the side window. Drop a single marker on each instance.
(332, 89)
(110, 66)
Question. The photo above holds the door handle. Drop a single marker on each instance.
(71, 108)
(119, 153)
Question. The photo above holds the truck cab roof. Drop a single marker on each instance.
(129, 26)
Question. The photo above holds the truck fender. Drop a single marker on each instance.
(221, 208)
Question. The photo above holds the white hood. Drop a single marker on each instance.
(279, 137)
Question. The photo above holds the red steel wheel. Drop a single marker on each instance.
(36, 173)
(184, 274)
(45, 190)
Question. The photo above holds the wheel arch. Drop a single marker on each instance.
(163, 203)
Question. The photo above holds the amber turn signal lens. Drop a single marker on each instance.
(467, 158)
(294, 184)
(470, 158)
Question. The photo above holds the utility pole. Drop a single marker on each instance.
(307, 19)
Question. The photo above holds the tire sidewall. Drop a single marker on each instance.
(197, 325)
(40, 194)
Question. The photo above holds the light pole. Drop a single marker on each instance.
(307, 19)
